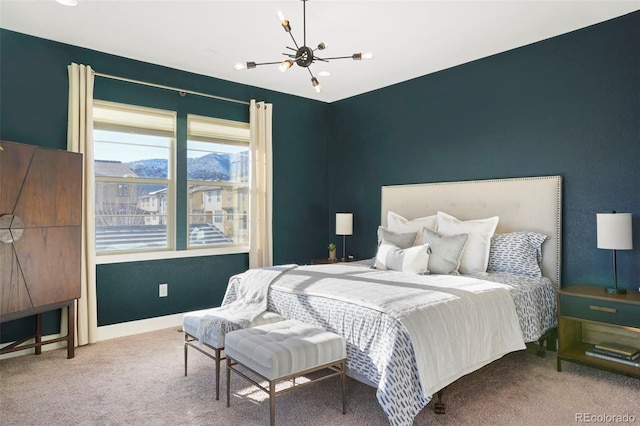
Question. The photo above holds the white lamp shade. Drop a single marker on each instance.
(614, 231)
(344, 223)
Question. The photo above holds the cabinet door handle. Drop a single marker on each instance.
(603, 309)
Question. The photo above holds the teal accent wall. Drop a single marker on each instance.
(566, 106)
(34, 99)
(569, 105)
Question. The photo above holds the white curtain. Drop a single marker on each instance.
(261, 244)
(80, 139)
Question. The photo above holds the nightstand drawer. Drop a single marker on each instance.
(599, 310)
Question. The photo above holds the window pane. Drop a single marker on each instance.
(218, 214)
(120, 154)
(210, 161)
(131, 216)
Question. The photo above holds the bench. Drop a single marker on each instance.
(282, 351)
(215, 341)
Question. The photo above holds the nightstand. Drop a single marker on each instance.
(588, 315)
(325, 261)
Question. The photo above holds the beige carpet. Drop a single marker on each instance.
(139, 381)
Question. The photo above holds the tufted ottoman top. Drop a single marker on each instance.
(283, 348)
(191, 323)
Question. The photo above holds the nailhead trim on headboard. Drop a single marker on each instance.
(521, 197)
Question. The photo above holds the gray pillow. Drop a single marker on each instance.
(402, 241)
(446, 251)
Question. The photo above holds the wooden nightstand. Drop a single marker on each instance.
(326, 261)
(588, 315)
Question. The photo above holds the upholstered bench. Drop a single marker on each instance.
(215, 341)
(283, 351)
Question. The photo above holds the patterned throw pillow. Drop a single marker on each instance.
(446, 251)
(414, 260)
(399, 240)
(517, 253)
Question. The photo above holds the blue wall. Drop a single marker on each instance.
(566, 106)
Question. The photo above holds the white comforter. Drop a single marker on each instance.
(456, 324)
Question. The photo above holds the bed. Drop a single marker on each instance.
(406, 332)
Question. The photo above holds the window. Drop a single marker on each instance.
(136, 183)
(133, 152)
(218, 161)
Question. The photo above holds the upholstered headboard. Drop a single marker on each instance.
(523, 204)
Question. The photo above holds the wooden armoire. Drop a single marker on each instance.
(40, 237)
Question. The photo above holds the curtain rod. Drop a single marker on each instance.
(176, 89)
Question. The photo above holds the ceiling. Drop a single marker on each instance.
(408, 38)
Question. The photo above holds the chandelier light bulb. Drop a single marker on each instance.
(246, 66)
(284, 22)
(68, 2)
(316, 84)
(285, 65)
(367, 55)
(322, 46)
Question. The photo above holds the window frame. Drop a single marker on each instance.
(177, 245)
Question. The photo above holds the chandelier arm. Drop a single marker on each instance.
(335, 57)
(294, 41)
(267, 63)
(310, 73)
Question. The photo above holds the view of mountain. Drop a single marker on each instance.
(208, 167)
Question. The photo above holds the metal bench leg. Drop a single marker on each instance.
(272, 402)
(343, 377)
(186, 349)
(228, 381)
(218, 374)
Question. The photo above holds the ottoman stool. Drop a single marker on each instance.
(215, 342)
(283, 351)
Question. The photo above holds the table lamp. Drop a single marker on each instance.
(614, 233)
(344, 227)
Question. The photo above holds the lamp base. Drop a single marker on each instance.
(615, 290)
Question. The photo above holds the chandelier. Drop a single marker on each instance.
(302, 56)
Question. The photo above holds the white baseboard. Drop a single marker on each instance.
(136, 327)
(110, 332)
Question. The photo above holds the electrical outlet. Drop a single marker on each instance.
(163, 290)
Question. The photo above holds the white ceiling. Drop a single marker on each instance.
(408, 38)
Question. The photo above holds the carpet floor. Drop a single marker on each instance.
(139, 380)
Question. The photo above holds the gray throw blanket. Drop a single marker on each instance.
(251, 302)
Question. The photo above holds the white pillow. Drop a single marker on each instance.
(414, 260)
(476, 253)
(400, 225)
